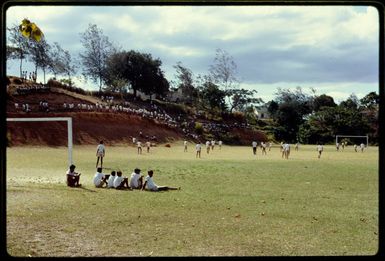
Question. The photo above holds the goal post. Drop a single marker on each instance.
(353, 136)
(69, 129)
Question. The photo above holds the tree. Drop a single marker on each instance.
(57, 65)
(242, 99)
(213, 97)
(371, 100)
(40, 55)
(138, 71)
(223, 71)
(97, 49)
(69, 66)
(185, 82)
(19, 47)
(352, 102)
(293, 108)
(323, 101)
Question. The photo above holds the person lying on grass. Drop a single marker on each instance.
(73, 177)
(100, 179)
(150, 185)
(121, 182)
(136, 179)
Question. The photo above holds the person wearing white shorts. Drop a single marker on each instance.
(100, 152)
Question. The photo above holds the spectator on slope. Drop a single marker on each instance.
(73, 177)
(151, 186)
(136, 180)
(100, 152)
(100, 179)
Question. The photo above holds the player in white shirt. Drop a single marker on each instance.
(139, 145)
(212, 144)
(136, 179)
(120, 182)
(362, 147)
(296, 146)
(73, 177)
(254, 145)
(150, 185)
(220, 144)
(100, 152)
(320, 148)
(198, 148)
(263, 146)
(148, 145)
(110, 182)
(208, 147)
(286, 150)
(99, 178)
(355, 147)
(185, 146)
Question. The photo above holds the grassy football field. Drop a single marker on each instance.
(231, 203)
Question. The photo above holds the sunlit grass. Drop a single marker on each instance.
(232, 203)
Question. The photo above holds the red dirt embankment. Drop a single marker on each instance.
(89, 127)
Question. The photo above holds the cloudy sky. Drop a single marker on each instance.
(333, 49)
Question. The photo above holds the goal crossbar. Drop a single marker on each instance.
(353, 136)
(69, 129)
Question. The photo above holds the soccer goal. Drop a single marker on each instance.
(69, 129)
(356, 137)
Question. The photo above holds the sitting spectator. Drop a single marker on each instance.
(73, 177)
(150, 185)
(136, 180)
(110, 182)
(120, 182)
(100, 179)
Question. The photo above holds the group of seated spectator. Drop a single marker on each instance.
(32, 89)
(116, 180)
(43, 106)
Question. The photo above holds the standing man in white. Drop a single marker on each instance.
(254, 144)
(100, 152)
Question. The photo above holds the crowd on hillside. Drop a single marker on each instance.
(34, 88)
(108, 103)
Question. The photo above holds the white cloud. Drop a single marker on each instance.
(273, 46)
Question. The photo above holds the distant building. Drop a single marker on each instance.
(262, 112)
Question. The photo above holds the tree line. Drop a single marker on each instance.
(312, 119)
(117, 70)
